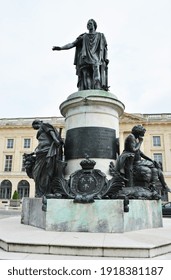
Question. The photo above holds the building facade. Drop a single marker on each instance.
(18, 137)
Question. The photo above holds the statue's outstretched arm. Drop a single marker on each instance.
(65, 47)
(145, 157)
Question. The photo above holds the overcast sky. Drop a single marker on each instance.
(34, 80)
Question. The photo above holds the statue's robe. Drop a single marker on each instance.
(46, 159)
(93, 48)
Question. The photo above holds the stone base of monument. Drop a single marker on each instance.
(92, 128)
(102, 216)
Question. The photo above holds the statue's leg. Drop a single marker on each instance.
(154, 176)
(86, 78)
(96, 77)
(162, 180)
(80, 83)
(129, 171)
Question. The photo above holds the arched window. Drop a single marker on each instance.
(23, 188)
(5, 189)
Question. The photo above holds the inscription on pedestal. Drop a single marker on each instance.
(96, 142)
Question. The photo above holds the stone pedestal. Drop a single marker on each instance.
(92, 128)
(105, 216)
(92, 131)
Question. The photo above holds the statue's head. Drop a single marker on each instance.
(36, 124)
(92, 21)
(138, 130)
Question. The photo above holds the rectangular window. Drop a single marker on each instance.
(156, 141)
(23, 167)
(8, 163)
(10, 143)
(159, 158)
(27, 143)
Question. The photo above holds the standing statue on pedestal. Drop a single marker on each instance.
(90, 58)
(41, 165)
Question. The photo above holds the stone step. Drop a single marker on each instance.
(147, 243)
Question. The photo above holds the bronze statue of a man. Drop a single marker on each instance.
(90, 58)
